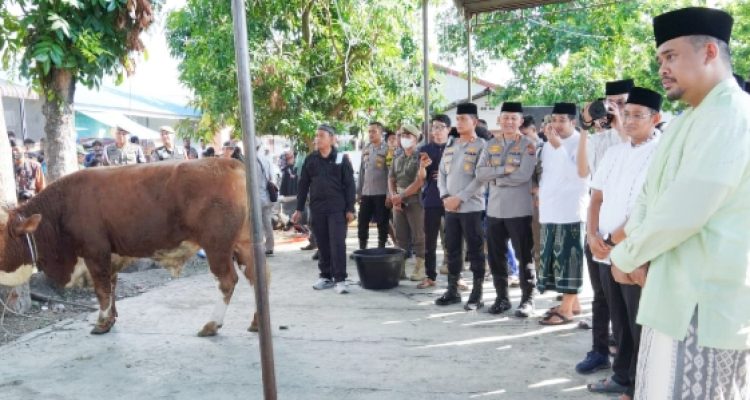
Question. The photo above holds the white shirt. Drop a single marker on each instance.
(597, 147)
(620, 177)
(563, 195)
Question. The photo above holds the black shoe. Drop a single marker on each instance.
(475, 298)
(310, 246)
(269, 253)
(525, 309)
(500, 306)
(448, 298)
(316, 256)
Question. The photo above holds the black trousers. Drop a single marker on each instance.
(599, 306)
(460, 227)
(330, 231)
(311, 237)
(433, 218)
(518, 230)
(623, 308)
(372, 207)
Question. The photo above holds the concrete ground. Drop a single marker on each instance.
(391, 344)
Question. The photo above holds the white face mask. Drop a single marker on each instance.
(407, 142)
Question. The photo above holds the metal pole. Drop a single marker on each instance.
(426, 72)
(468, 56)
(248, 140)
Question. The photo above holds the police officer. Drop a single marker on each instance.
(508, 164)
(372, 187)
(327, 175)
(168, 151)
(123, 152)
(404, 186)
(463, 200)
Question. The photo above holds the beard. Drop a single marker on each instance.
(675, 94)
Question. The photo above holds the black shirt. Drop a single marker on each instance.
(329, 181)
(430, 191)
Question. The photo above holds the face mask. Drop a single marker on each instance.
(406, 143)
(17, 156)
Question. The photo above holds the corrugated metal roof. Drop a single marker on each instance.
(471, 7)
(125, 101)
(10, 89)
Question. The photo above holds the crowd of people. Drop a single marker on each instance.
(655, 213)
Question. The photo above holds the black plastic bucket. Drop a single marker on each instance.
(379, 268)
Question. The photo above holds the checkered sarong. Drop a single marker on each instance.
(562, 258)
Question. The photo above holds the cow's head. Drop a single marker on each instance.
(14, 248)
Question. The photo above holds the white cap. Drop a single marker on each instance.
(167, 128)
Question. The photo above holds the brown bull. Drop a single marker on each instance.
(134, 211)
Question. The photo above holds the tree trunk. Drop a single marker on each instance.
(17, 298)
(60, 125)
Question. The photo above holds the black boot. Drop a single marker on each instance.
(475, 298)
(451, 295)
(502, 303)
(526, 308)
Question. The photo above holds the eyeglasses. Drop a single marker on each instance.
(437, 127)
(626, 116)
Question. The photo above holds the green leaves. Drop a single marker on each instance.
(90, 38)
(59, 24)
(567, 51)
(339, 61)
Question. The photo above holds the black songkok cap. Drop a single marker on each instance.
(645, 97)
(327, 128)
(564, 109)
(693, 21)
(510, 106)
(467, 108)
(619, 87)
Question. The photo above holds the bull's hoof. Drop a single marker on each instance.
(253, 327)
(210, 329)
(102, 327)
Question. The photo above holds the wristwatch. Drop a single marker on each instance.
(608, 240)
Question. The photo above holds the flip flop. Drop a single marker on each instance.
(563, 320)
(557, 307)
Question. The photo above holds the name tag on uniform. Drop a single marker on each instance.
(379, 161)
(495, 149)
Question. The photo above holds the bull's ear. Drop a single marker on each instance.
(28, 225)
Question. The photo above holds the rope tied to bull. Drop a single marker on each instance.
(31, 242)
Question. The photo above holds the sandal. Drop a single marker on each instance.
(557, 307)
(606, 386)
(562, 320)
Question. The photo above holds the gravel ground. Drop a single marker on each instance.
(78, 302)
